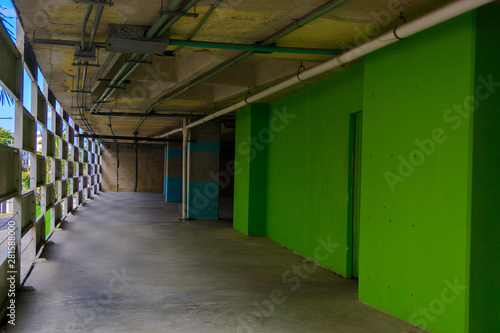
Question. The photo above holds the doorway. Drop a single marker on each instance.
(355, 189)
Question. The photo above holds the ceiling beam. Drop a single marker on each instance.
(125, 138)
(252, 48)
(151, 115)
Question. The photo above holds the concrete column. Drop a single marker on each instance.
(250, 171)
(203, 172)
(173, 172)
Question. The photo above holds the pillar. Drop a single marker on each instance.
(250, 170)
(203, 172)
(173, 172)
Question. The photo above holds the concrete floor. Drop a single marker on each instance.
(124, 263)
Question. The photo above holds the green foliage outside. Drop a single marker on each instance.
(26, 179)
(6, 137)
(47, 222)
(39, 148)
(49, 168)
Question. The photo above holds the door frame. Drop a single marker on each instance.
(350, 190)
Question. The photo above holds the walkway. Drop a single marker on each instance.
(124, 263)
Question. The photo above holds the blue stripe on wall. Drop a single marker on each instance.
(174, 154)
(204, 147)
(203, 200)
(173, 188)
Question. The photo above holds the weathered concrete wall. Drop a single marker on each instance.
(150, 172)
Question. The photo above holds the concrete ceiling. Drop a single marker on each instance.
(233, 21)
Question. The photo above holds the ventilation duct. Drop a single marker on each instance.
(126, 38)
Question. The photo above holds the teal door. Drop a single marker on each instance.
(356, 188)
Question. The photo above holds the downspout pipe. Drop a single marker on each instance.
(435, 17)
(185, 136)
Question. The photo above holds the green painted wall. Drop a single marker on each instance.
(415, 200)
(429, 248)
(241, 173)
(308, 168)
(485, 224)
(251, 170)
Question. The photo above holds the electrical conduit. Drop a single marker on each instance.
(426, 21)
(158, 29)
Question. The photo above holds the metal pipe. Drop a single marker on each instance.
(140, 144)
(305, 20)
(151, 115)
(288, 29)
(97, 19)
(105, 65)
(84, 27)
(81, 87)
(200, 80)
(174, 19)
(125, 138)
(62, 42)
(426, 21)
(161, 21)
(84, 78)
(185, 135)
(173, 5)
(152, 32)
(136, 166)
(94, 2)
(251, 48)
(113, 82)
(78, 80)
(202, 22)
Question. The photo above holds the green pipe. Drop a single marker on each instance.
(105, 65)
(174, 19)
(173, 5)
(200, 80)
(304, 20)
(197, 82)
(113, 82)
(152, 32)
(287, 30)
(202, 22)
(154, 115)
(251, 48)
(206, 77)
(161, 21)
(147, 115)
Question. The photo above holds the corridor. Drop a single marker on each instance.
(125, 263)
